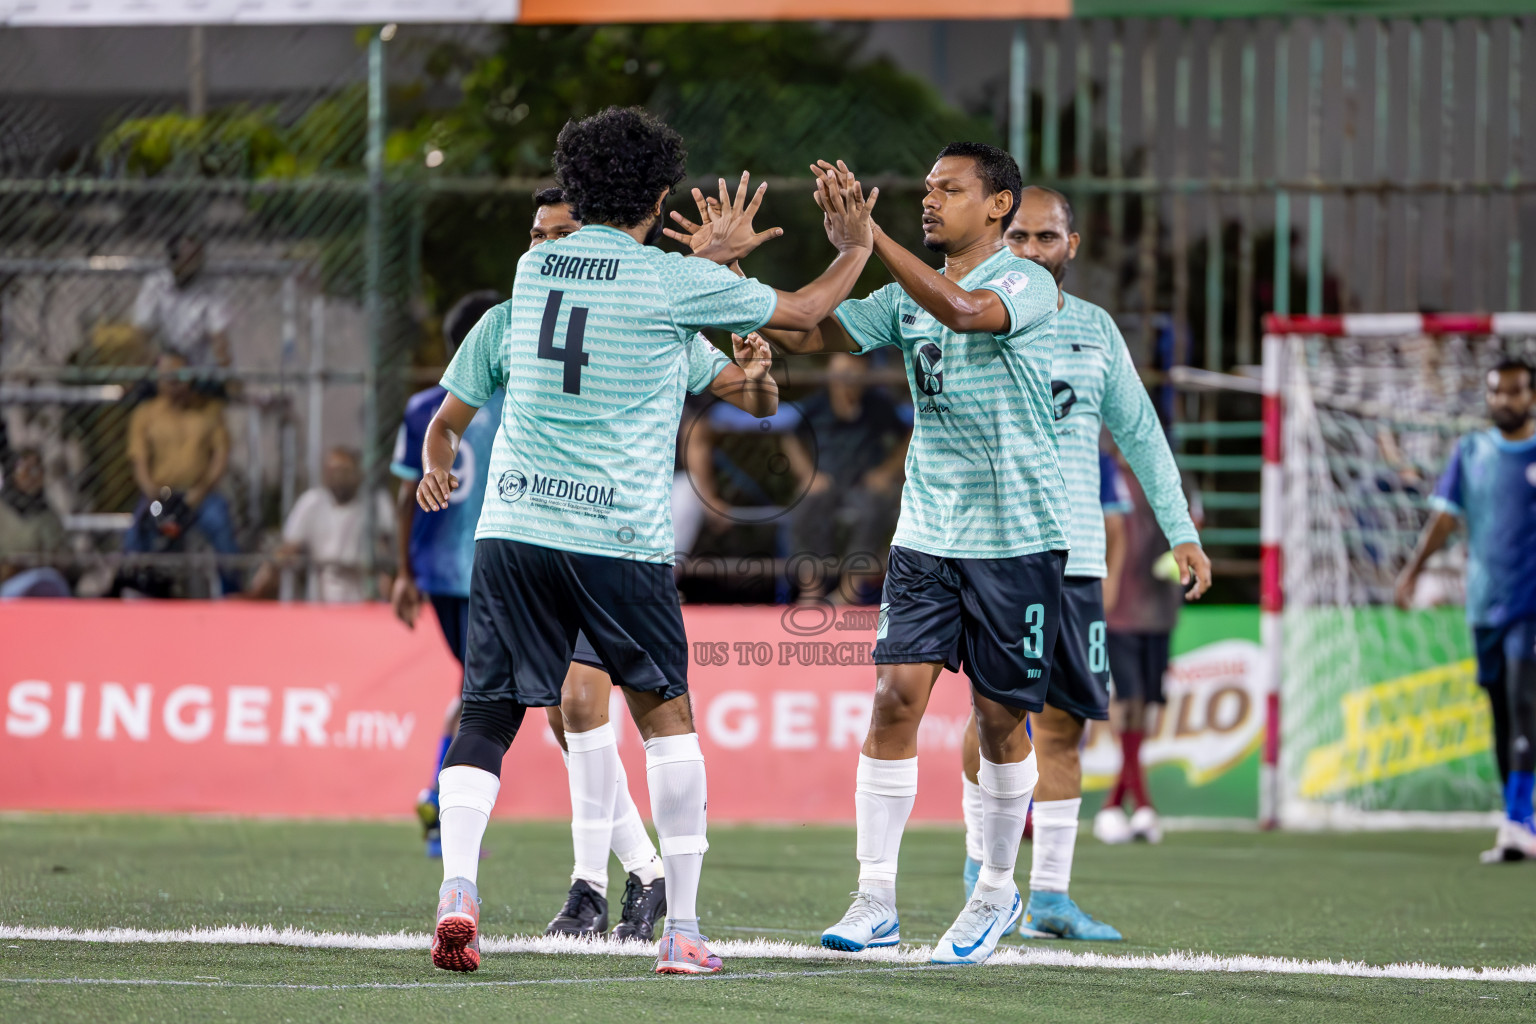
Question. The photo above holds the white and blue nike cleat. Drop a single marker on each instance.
(1053, 915)
(975, 933)
(972, 873)
(869, 924)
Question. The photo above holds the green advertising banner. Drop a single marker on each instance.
(1202, 753)
(1381, 714)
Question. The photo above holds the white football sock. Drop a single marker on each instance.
(465, 796)
(1055, 841)
(593, 774)
(970, 809)
(882, 800)
(674, 770)
(631, 842)
(1005, 793)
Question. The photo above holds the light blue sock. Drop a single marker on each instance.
(1517, 796)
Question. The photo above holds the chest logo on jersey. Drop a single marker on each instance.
(1063, 398)
(1530, 474)
(928, 369)
(512, 486)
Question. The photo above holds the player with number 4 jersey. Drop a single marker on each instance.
(575, 534)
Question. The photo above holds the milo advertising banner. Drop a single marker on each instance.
(1202, 752)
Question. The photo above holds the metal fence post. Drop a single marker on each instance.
(374, 303)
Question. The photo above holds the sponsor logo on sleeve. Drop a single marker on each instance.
(1013, 282)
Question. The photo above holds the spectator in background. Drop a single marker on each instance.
(327, 525)
(28, 527)
(1140, 613)
(858, 440)
(183, 309)
(179, 450)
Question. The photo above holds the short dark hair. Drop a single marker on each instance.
(614, 164)
(1511, 365)
(553, 196)
(464, 314)
(998, 171)
(1060, 197)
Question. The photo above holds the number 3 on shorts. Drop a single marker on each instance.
(1034, 643)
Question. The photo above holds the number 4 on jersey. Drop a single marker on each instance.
(572, 355)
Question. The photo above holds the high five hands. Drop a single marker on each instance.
(724, 233)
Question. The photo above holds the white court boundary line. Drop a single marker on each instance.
(750, 949)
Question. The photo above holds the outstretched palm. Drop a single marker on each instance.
(724, 231)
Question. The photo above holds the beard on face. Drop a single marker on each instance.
(1509, 420)
(653, 235)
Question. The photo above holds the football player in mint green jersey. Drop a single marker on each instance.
(976, 564)
(1093, 386)
(575, 534)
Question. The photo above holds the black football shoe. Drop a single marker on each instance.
(644, 905)
(585, 913)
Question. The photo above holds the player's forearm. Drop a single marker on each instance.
(1436, 533)
(805, 309)
(951, 305)
(405, 515)
(439, 446)
(1134, 425)
(758, 397)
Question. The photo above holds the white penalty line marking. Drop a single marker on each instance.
(775, 949)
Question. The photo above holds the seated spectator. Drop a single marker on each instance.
(858, 439)
(326, 524)
(179, 449)
(183, 309)
(29, 531)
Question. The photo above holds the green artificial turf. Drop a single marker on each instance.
(1382, 898)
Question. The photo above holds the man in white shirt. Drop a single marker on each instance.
(327, 524)
(183, 310)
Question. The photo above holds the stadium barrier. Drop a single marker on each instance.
(334, 711)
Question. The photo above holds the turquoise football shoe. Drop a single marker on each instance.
(1053, 915)
(973, 872)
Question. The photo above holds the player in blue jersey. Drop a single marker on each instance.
(1093, 386)
(603, 814)
(435, 552)
(975, 570)
(1490, 486)
(575, 535)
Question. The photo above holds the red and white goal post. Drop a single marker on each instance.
(1374, 718)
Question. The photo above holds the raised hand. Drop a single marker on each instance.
(694, 234)
(847, 214)
(753, 355)
(727, 233)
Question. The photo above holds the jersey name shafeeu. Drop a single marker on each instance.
(983, 480)
(1094, 384)
(1491, 484)
(593, 351)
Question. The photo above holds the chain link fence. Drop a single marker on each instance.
(319, 239)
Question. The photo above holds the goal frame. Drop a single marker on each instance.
(1281, 335)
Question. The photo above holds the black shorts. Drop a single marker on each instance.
(583, 653)
(1501, 647)
(1080, 668)
(1137, 662)
(996, 618)
(453, 617)
(528, 602)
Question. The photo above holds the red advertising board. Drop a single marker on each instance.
(310, 710)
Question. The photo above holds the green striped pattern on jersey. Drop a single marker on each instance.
(593, 350)
(982, 473)
(1094, 385)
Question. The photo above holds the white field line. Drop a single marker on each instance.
(773, 949)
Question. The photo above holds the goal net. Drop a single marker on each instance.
(1380, 720)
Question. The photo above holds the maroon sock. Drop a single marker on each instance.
(1116, 795)
(1130, 770)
